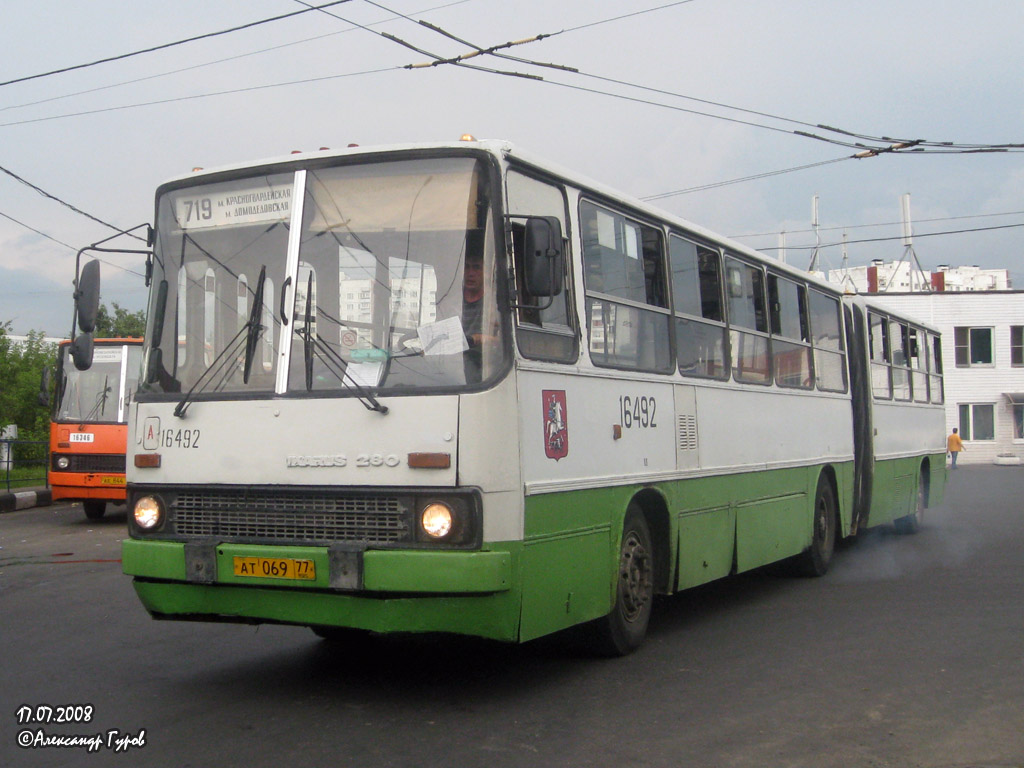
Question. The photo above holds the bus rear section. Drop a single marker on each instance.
(88, 429)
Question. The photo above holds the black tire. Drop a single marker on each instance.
(94, 509)
(623, 630)
(816, 559)
(912, 523)
(342, 635)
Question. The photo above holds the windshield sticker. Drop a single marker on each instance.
(445, 337)
(365, 374)
(235, 207)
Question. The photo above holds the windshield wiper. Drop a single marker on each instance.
(253, 329)
(220, 364)
(101, 400)
(314, 345)
(307, 335)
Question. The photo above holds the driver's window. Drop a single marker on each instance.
(545, 328)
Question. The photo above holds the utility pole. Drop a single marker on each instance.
(909, 255)
(817, 236)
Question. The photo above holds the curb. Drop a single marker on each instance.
(11, 501)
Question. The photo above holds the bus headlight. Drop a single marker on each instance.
(437, 520)
(63, 462)
(148, 513)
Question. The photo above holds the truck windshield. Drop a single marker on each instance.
(379, 277)
(96, 395)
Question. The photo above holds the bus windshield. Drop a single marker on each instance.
(99, 394)
(350, 278)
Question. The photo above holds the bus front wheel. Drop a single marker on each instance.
(623, 630)
(94, 509)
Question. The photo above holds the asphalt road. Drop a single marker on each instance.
(908, 654)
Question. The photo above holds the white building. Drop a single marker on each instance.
(905, 276)
(983, 364)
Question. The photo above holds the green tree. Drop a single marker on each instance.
(119, 324)
(21, 370)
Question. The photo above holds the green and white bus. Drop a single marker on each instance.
(455, 388)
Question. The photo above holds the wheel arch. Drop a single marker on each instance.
(828, 472)
(655, 509)
(925, 478)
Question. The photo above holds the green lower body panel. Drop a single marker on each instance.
(378, 590)
(703, 529)
(563, 573)
(896, 482)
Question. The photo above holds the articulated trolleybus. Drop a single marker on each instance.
(88, 428)
(453, 388)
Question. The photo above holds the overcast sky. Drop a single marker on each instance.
(101, 138)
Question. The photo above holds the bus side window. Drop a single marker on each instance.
(697, 299)
(544, 325)
(626, 294)
(919, 375)
(881, 383)
(826, 334)
(791, 343)
(748, 324)
(935, 390)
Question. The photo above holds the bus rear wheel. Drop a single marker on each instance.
(817, 558)
(94, 509)
(912, 522)
(623, 630)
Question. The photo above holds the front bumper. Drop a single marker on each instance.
(391, 590)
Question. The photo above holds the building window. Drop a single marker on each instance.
(1017, 346)
(1018, 421)
(973, 346)
(977, 421)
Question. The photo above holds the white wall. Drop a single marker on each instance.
(978, 384)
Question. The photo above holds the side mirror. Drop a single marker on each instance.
(87, 296)
(44, 387)
(542, 256)
(81, 351)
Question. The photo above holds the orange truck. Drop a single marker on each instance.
(88, 427)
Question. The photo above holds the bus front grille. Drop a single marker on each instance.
(291, 518)
(89, 462)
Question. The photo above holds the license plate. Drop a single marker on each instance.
(112, 481)
(275, 568)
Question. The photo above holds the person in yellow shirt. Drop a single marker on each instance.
(954, 445)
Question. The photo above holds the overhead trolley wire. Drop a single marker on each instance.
(169, 45)
(894, 237)
(79, 211)
(218, 61)
(880, 224)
